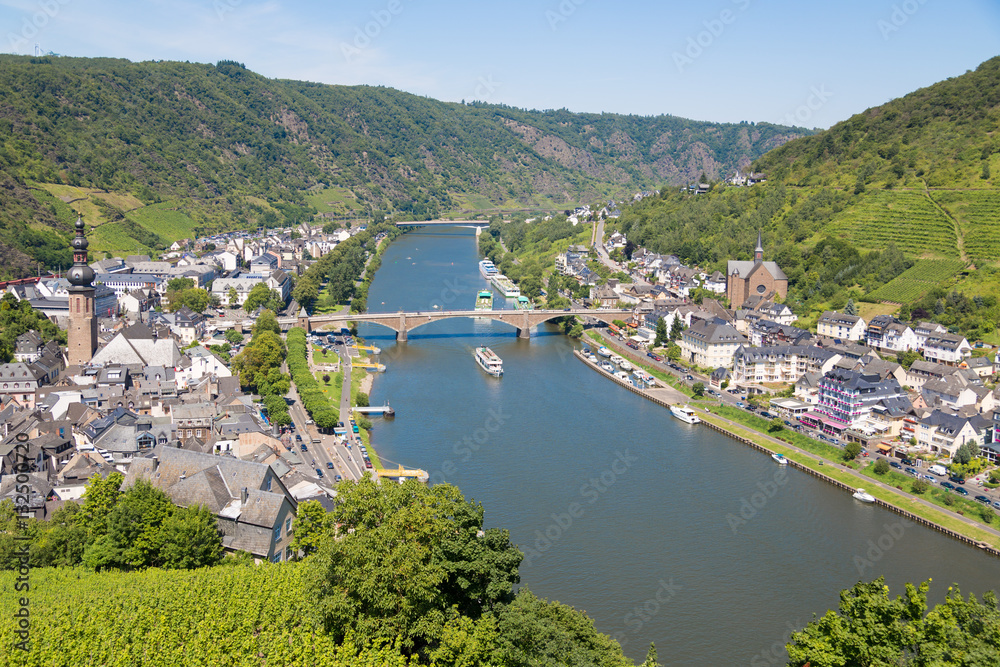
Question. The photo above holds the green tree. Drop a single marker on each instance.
(906, 359)
(851, 451)
(261, 296)
(920, 486)
(190, 538)
(651, 660)
(698, 389)
(673, 352)
(407, 557)
(661, 333)
(850, 308)
(775, 425)
(233, 337)
(179, 284)
(134, 525)
(234, 298)
(305, 293)
(266, 321)
(312, 526)
(361, 400)
(99, 499)
(676, 329)
(881, 467)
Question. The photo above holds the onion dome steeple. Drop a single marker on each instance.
(80, 275)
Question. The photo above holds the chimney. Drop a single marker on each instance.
(243, 496)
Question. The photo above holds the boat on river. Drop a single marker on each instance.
(505, 285)
(604, 352)
(779, 459)
(864, 496)
(625, 365)
(524, 303)
(486, 268)
(484, 300)
(489, 361)
(685, 414)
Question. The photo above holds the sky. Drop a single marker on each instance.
(797, 62)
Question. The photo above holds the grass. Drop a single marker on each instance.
(918, 280)
(976, 213)
(166, 220)
(336, 200)
(908, 219)
(112, 238)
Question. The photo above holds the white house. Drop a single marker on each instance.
(946, 348)
(840, 325)
(710, 344)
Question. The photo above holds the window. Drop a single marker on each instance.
(276, 558)
(288, 525)
(277, 533)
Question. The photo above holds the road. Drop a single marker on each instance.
(605, 259)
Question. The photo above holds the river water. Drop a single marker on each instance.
(660, 531)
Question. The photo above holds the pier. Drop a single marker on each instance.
(385, 410)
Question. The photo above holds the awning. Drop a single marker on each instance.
(884, 448)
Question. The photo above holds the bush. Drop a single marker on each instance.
(920, 486)
(881, 467)
(851, 451)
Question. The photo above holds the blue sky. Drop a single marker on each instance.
(800, 61)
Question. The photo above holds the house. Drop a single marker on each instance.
(781, 363)
(847, 399)
(715, 283)
(138, 301)
(955, 391)
(253, 508)
(982, 366)
(807, 387)
(943, 432)
(711, 344)
(28, 347)
(885, 332)
(832, 324)
(754, 278)
(188, 325)
(946, 348)
(604, 296)
(138, 344)
(923, 330)
(19, 381)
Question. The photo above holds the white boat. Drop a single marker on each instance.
(505, 285)
(486, 268)
(615, 359)
(625, 366)
(608, 366)
(603, 351)
(685, 414)
(863, 496)
(592, 359)
(779, 459)
(489, 361)
(623, 376)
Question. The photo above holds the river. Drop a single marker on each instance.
(660, 531)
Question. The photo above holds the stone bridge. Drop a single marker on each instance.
(402, 323)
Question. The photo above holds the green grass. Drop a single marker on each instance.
(336, 200)
(907, 219)
(918, 280)
(112, 237)
(977, 213)
(165, 220)
(935, 494)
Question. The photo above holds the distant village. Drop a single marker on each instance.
(138, 391)
(845, 378)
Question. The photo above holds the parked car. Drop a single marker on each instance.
(740, 404)
(957, 479)
(911, 471)
(996, 503)
(908, 461)
(896, 465)
(961, 490)
(654, 356)
(929, 479)
(689, 377)
(948, 485)
(632, 344)
(983, 499)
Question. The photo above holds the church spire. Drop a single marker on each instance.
(758, 252)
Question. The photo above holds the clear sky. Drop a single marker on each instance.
(802, 61)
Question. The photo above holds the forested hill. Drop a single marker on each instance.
(912, 185)
(214, 145)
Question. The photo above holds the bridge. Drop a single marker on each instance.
(444, 223)
(402, 323)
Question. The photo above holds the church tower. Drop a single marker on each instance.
(758, 252)
(82, 335)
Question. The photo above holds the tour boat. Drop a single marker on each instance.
(486, 268)
(603, 351)
(524, 303)
(685, 414)
(505, 285)
(781, 460)
(863, 496)
(484, 300)
(489, 361)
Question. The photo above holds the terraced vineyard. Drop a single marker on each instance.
(165, 220)
(907, 219)
(978, 215)
(917, 280)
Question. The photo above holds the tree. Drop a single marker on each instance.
(134, 525)
(775, 425)
(920, 486)
(698, 389)
(234, 298)
(311, 527)
(661, 333)
(676, 329)
(408, 555)
(305, 293)
(233, 337)
(906, 359)
(881, 467)
(850, 308)
(651, 660)
(673, 352)
(361, 400)
(190, 538)
(851, 451)
(261, 296)
(966, 453)
(179, 284)
(99, 499)
(266, 321)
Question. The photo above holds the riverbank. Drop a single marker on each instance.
(911, 507)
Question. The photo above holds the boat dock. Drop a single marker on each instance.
(385, 410)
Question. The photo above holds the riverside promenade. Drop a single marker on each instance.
(810, 463)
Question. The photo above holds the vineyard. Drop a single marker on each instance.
(165, 220)
(978, 213)
(918, 280)
(906, 219)
(226, 615)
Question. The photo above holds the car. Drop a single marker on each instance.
(948, 485)
(957, 479)
(337, 478)
(340, 424)
(788, 423)
(929, 479)
(911, 471)
(689, 377)
(368, 464)
(329, 465)
(983, 499)
(961, 491)
(566, 310)
(996, 503)
(766, 415)
(632, 344)
(908, 461)
(654, 356)
(298, 438)
(310, 421)
(304, 448)
(319, 472)
(895, 464)
(740, 404)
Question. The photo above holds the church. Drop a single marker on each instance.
(758, 278)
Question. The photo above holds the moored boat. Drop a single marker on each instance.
(505, 285)
(685, 414)
(486, 268)
(625, 366)
(603, 351)
(864, 496)
(484, 300)
(489, 361)
(779, 459)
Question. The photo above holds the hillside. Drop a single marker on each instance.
(152, 152)
(907, 185)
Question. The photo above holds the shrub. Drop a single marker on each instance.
(920, 486)
(881, 467)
